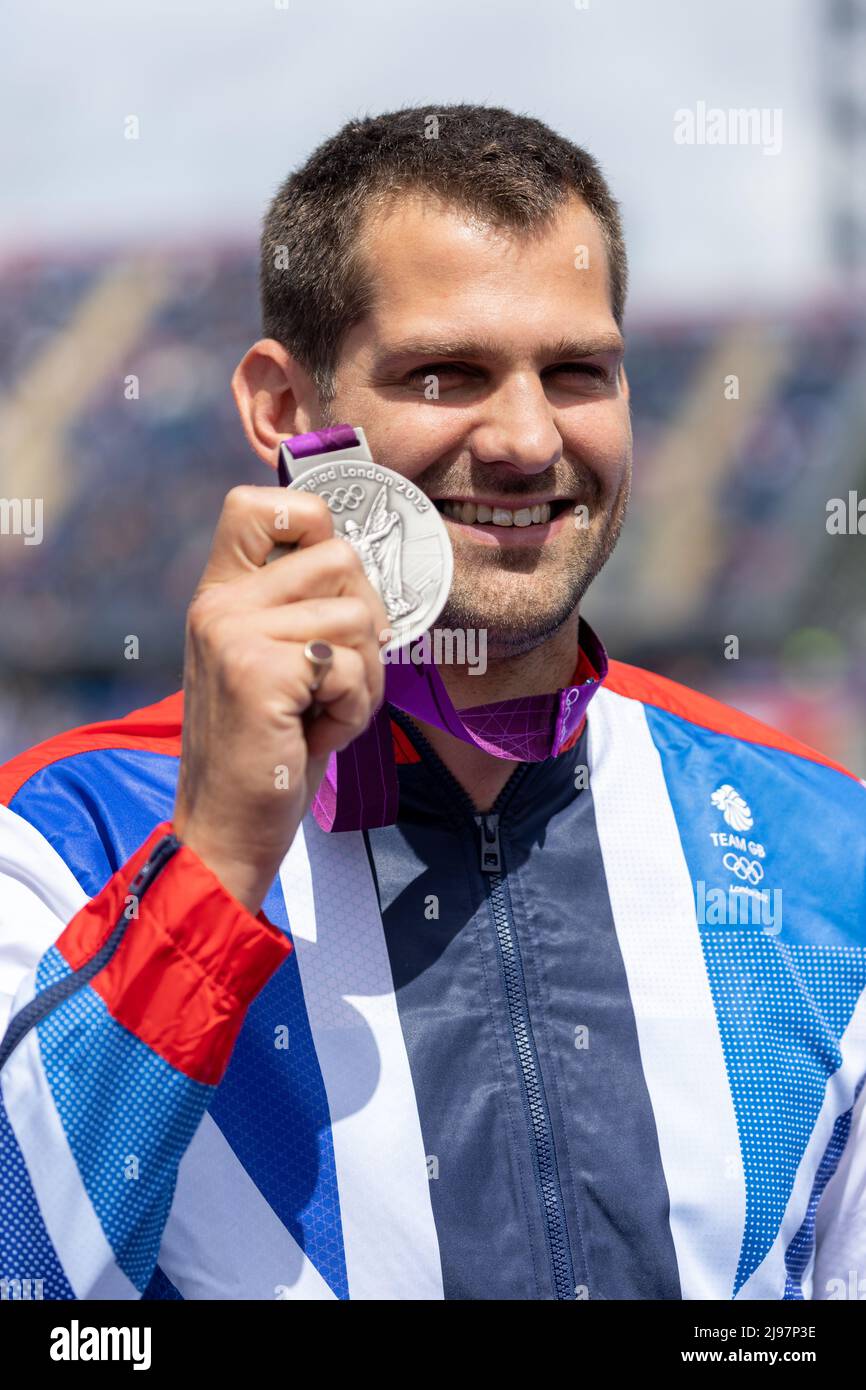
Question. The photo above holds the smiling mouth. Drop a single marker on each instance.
(480, 514)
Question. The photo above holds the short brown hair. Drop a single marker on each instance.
(510, 170)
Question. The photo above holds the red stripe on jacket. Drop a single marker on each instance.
(189, 964)
(677, 699)
(153, 729)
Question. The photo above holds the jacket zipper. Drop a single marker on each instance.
(492, 869)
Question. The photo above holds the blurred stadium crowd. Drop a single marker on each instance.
(115, 410)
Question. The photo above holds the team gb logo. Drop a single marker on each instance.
(732, 806)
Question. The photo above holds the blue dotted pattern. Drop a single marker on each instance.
(26, 1250)
(107, 1087)
(782, 1001)
(51, 968)
(272, 1108)
(161, 1287)
(799, 1252)
(781, 1010)
(96, 808)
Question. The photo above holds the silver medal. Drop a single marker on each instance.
(395, 529)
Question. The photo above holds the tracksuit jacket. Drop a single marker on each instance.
(607, 1041)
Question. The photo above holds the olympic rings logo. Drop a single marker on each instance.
(344, 498)
(747, 869)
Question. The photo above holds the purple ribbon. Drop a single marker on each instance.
(360, 790)
(304, 446)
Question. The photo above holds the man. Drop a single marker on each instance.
(584, 1017)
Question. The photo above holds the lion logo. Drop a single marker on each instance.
(733, 807)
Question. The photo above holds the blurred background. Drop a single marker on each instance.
(142, 146)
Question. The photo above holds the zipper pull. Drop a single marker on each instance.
(491, 854)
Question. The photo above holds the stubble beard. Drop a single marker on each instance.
(519, 602)
(487, 595)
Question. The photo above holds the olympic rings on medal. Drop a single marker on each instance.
(344, 498)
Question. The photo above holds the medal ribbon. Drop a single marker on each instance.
(360, 790)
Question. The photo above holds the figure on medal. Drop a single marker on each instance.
(380, 546)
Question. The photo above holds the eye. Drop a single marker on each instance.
(438, 369)
(582, 368)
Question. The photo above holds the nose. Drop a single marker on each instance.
(517, 427)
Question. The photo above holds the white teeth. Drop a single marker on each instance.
(470, 512)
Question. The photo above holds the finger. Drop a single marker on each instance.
(255, 519)
(347, 621)
(342, 704)
(327, 570)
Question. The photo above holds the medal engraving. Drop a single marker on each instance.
(398, 534)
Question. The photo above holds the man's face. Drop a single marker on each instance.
(532, 405)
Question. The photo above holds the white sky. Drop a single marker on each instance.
(231, 94)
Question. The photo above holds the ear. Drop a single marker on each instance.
(274, 396)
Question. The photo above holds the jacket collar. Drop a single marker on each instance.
(360, 789)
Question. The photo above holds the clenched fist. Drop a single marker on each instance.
(251, 761)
